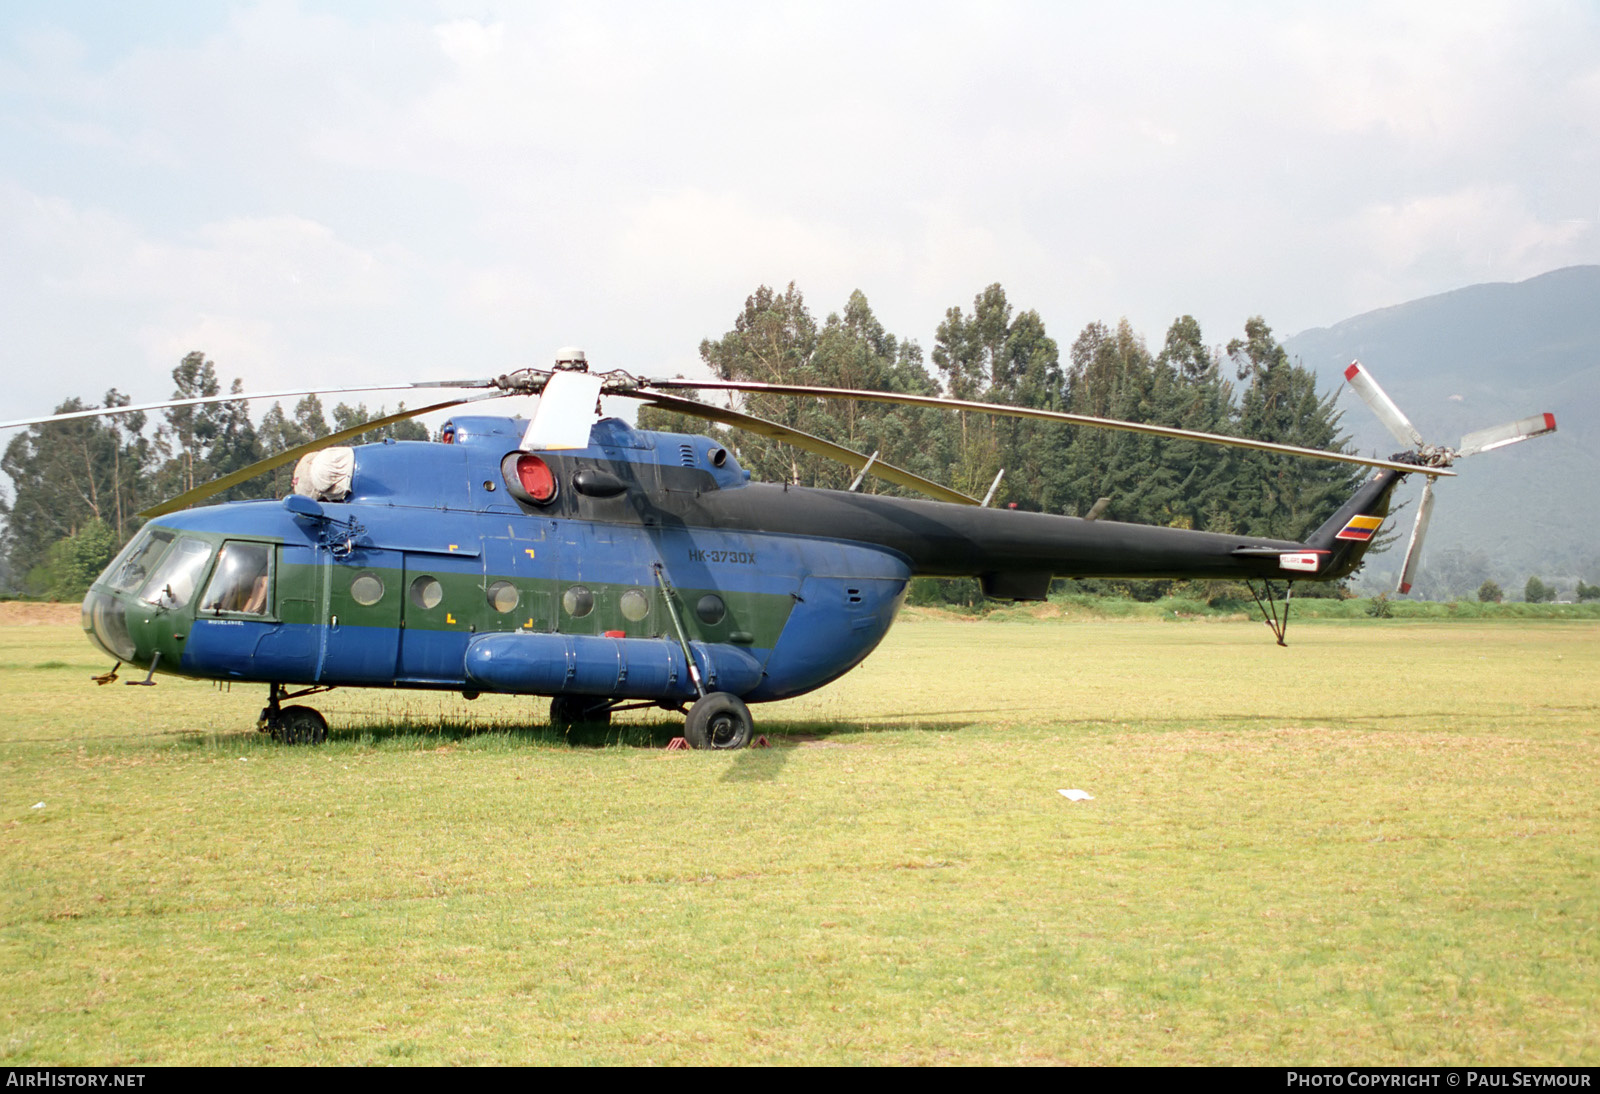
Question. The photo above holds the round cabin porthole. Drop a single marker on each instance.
(366, 589)
(711, 609)
(578, 601)
(503, 597)
(426, 592)
(635, 605)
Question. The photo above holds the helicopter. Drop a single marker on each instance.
(609, 568)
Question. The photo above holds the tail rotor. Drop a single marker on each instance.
(1432, 459)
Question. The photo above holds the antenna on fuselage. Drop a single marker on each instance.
(856, 485)
(987, 498)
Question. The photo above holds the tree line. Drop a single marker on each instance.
(1535, 591)
(996, 354)
(78, 485)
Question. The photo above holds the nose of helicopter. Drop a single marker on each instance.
(105, 621)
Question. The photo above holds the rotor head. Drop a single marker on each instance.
(571, 359)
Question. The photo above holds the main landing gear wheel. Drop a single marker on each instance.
(300, 726)
(584, 721)
(719, 720)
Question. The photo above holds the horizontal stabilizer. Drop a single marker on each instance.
(1308, 562)
(1501, 435)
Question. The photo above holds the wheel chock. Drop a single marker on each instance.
(678, 743)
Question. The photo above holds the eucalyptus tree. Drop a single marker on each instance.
(776, 339)
(991, 356)
(65, 475)
(1281, 495)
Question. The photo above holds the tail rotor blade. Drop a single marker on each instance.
(1499, 436)
(1419, 530)
(1392, 417)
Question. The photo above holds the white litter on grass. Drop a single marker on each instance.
(37, 805)
(1076, 795)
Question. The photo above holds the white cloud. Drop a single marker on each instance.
(273, 297)
(698, 235)
(404, 191)
(235, 340)
(1482, 233)
(467, 42)
(1417, 72)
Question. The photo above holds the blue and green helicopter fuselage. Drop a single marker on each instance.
(644, 567)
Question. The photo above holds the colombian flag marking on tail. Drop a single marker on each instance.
(1360, 529)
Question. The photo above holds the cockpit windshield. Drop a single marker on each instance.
(129, 570)
(174, 580)
(240, 581)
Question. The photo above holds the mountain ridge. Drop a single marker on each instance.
(1470, 358)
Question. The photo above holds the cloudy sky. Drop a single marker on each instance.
(349, 192)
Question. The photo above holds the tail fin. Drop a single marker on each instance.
(1345, 536)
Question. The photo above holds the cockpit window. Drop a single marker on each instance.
(134, 564)
(173, 583)
(240, 581)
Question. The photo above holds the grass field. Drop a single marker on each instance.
(1379, 845)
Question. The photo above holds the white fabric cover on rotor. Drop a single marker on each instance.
(567, 408)
(324, 475)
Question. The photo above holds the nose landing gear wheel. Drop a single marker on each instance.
(718, 721)
(300, 726)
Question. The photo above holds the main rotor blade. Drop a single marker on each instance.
(808, 442)
(1392, 417)
(261, 467)
(1024, 412)
(1484, 440)
(1418, 531)
(245, 396)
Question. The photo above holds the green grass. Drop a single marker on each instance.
(1376, 846)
